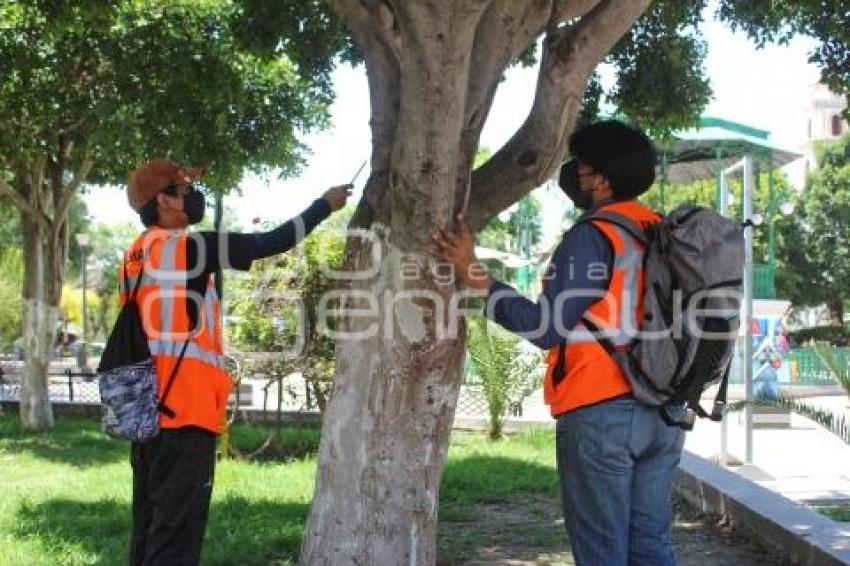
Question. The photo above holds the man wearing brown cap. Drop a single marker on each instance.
(168, 272)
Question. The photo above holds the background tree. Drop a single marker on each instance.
(107, 250)
(824, 222)
(90, 90)
(11, 276)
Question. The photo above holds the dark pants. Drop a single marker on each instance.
(172, 484)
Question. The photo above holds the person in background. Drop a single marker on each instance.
(181, 315)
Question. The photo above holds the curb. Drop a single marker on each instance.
(793, 530)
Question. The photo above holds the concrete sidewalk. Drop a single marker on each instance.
(804, 462)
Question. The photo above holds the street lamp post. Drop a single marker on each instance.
(83, 241)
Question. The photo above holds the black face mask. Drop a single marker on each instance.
(194, 206)
(570, 183)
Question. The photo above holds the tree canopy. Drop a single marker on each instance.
(124, 81)
(91, 90)
(823, 222)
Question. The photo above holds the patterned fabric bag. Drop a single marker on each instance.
(127, 376)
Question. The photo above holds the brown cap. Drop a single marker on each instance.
(155, 176)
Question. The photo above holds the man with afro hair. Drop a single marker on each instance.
(616, 457)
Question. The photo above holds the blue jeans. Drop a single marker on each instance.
(617, 461)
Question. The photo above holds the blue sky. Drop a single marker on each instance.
(765, 88)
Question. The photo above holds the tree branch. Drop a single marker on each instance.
(373, 17)
(570, 55)
(70, 192)
(505, 30)
(23, 204)
(563, 10)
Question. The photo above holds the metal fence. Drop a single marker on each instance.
(808, 368)
(255, 393)
(64, 385)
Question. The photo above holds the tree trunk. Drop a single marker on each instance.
(836, 311)
(386, 430)
(42, 290)
(401, 341)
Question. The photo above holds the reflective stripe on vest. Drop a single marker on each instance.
(621, 332)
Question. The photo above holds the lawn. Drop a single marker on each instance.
(66, 494)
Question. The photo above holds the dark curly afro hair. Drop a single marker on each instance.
(620, 152)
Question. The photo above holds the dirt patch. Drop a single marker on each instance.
(530, 531)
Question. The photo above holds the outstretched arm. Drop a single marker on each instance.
(290, 233)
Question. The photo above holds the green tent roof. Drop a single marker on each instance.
(695, 154)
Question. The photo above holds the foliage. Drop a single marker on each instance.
(11, 277)
(838, 367)
(10, 228)
(835, 335)
(835, 423)
(824, 219)
(71, 306)
(507, 374)
(107, 249)
(142, 78)
(524, 228)
(660, 78)
(838, 512)
(269, 319)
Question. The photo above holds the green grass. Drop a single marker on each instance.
(66, 500)
(480, 471)
(66, 493)
(838, 512)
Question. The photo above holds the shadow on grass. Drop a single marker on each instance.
(77, 442)
(268, 444)
(496, 509)
(489, 479)
(95, 532)
(239, 531)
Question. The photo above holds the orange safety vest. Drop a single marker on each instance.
(201, 386)
(591, 376)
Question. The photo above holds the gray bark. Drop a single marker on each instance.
(43, 201)
(41, 294)
(433, 69)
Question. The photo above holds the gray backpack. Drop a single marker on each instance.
(693, 271)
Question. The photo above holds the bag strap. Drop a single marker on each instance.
(720, 399)
(621, 221)
(135, 292)
(163, 408)
(560, 371)
(600, 337)
(160, 405)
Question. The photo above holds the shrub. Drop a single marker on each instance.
(835, 335)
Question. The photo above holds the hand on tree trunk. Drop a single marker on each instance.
(457, 248)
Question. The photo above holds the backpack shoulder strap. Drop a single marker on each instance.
(621, 221)
(132, 294)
